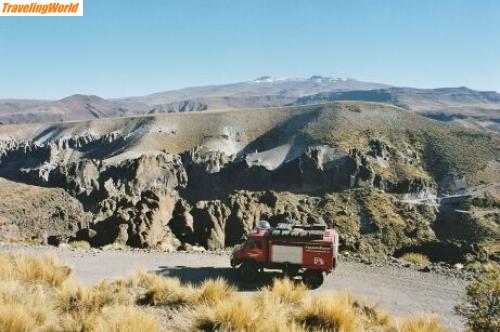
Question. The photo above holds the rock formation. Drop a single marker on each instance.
(140, 186)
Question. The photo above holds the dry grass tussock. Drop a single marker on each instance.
(416, 258)
(36, 294)
(159, 290)
(79, 245)
(44, 270)
(422, 323)
(287, 291)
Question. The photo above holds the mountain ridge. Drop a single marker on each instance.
(470, 108)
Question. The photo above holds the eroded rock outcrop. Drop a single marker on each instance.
(369, 220)
(136, 201)
(182, 222)
(132, 199)
(137, 221)
(209, 223)
(205, 197)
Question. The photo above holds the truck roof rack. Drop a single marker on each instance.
(296, 233)
(315, 227)
(284, 225)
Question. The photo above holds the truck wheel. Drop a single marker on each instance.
(312, 278)
(248, 271)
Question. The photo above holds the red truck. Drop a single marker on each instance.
(306, 250)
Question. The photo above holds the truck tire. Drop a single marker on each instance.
(312, 278)
(248, 271)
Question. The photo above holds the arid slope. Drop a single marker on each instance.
(206, 178)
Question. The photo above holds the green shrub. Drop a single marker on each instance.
(487, 201)
(482, 307)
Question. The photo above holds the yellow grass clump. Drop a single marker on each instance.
(332, 312)
(422, 324)
(233, 315)
(126, 319)
(25, 307)
(261, 312)
(212, 291)
(160, 290)
(287, 291)
(28, 268)
(36, 294)
(416, 258)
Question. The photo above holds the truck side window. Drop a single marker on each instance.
(255, 245)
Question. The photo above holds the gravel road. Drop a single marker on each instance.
(402, 291)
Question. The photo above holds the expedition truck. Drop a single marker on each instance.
(298, 250)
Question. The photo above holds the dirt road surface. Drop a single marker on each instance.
(402, 291)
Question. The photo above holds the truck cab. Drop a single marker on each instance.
(308, 251)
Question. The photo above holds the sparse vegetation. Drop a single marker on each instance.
(287, 291)
(331, 312)
(36, 294)
(482, 308)
(416, 258)
(79, 245)
(489, 200)
(115, 246)
(422, 323)
(44, 270)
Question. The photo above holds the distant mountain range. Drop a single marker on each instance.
(476, 109)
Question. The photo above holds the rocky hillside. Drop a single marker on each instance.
(173, 181)
(31, 213)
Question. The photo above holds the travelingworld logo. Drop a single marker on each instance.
(41, 8)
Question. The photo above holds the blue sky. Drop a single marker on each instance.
(126, 48)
